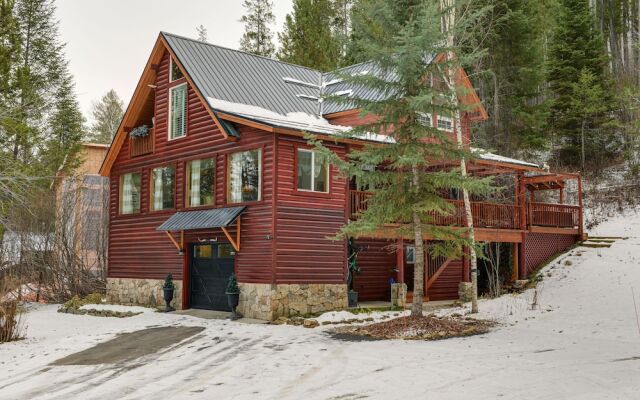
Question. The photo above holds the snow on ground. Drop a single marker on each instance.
(581, 342)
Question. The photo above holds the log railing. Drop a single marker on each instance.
(489, 215)
(142, 145)
(553, 215)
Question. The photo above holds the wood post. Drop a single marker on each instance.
(580, 225)
(514, 262)
(400, 260)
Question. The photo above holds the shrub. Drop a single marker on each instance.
(10, 321)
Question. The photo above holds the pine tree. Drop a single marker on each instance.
(577, 49)
(400, 39)
(202, 33)
(309, 38)
(9, 58)
(257, 37)
(107, 114)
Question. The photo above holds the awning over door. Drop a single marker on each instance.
(201, 219)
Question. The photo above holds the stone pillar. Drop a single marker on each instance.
(465, 291)
(398, 295)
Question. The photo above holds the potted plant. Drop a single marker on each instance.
(168, 288)
(233, 296)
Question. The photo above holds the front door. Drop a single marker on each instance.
(211, 266)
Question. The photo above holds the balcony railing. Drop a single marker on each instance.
(489, 215)
(142, 145)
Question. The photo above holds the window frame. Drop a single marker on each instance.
(408, 260)
(151, 188)
(186, 110)
(295, 172)
(120, 192)
(260, 175)
(187, 180)
(171, 64)
(443, 118)
(427, 115)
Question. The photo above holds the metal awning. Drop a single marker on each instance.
(201, 219)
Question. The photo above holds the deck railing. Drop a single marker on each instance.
(553, 215)
(489, 215)
(142, 145)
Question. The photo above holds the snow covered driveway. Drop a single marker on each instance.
(582, 342)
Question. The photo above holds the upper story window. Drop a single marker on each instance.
(175, 72)
(445, 123)
(313, 171)
(162, 185)
(245, 176)
(424, 119)
(200, 182)
(130, 193)
(178, 111)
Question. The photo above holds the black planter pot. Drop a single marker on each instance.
(168, 297)
(353, 299)
(234, 299)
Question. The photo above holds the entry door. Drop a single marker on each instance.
(211, 266)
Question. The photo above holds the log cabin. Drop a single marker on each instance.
(210, 175)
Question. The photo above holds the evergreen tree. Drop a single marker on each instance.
(309, 38)
(257, 37)
(9, 58)
(577, 49)
(400, 38)
(202, 33)
(107, 114)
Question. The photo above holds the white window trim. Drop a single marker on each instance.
(313, 158)
(445, 119)
(428, 115)
(186, 101)
(413, 260)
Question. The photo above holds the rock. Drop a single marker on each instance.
(465, 291)
(520, 284)
(310, 323)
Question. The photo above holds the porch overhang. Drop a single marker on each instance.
(204, 219)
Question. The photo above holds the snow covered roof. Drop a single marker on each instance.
(485, 155)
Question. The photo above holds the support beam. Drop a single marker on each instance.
(400, 260)
(175, 243)
(514, 262)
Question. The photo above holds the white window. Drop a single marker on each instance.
(424, 119)
(445, 123)
(245, 176)
(178, 111)
(130, 193)
(313, 171)
(175, 72)
(410, 255)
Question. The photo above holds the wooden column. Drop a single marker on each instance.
(400, 260)
(515, 263)
(580, 227)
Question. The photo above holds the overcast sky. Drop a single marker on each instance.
(109, 41)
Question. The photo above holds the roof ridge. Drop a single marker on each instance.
(240, 51)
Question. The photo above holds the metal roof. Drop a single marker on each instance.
(201, 219)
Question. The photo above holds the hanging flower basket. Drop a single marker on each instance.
(140, 131)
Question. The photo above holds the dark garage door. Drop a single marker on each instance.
(211, 266)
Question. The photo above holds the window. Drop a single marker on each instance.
(200, 182)
(202, 251)
(162, 182)
(313, 171)
(177, 111)
(245, 176)
(225, 251)
(130, 193)
(410, 255)
(424, 119)
(445, 123)
(174, 71)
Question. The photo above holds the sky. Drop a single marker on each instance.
(108, 42)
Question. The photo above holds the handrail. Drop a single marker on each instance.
(554, 215)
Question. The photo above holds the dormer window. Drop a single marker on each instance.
(175, 72)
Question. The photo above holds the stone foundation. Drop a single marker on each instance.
(266, 301)
(141, 292)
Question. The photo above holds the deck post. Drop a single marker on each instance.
(400, 260)
(514, 262)
(580, 227)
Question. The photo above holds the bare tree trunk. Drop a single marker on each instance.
(448, 23)
(418, 267)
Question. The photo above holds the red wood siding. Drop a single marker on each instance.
(446, 286)
(377, 263)
(305, 220)
(136, 249)
(539, 247)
